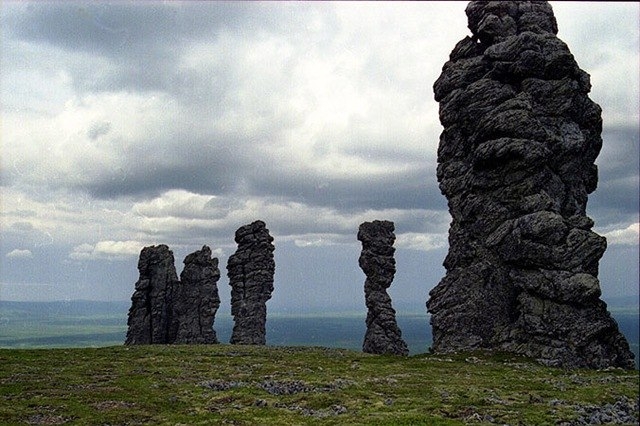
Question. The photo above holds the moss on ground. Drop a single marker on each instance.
(246, 385)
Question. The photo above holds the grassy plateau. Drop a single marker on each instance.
(246, 385)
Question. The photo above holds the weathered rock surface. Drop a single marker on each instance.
(196, 299)
(250, 270)
(165, 310)
(516, 163)
(383, 336)
(150, 315)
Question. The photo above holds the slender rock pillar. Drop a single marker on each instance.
(150, 314)
(383, 335)
(196, 299)
(251, 270)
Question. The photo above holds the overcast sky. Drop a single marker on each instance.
(131, 124)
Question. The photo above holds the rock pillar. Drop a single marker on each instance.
(251, 269)
(383, 335)
(165, 310)
(516, 163)
(151, 313)
(196, 299)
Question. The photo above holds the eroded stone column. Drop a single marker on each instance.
(150, 314)
(251, 270)
(196, 299)
(516, 163)
(383, 335)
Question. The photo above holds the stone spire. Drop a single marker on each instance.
(383, 335)
(196, 299)
(150, 314)
(165, 310)
(516, 163)
(251, 270)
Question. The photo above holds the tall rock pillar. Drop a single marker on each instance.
(165, 310)
(151, 313)
(196, 300)
(516, 163)
(383, 335)
(251, 269)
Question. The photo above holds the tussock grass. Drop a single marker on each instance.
(225, 384)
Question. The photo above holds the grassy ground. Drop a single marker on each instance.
(225, 384)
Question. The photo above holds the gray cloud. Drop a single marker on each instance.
(176, 123)
(137, 46)
(616, 199)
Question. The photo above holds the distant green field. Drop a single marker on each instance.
(95, 324)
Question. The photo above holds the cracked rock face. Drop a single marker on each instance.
(383, 336)
(165, 310)
(196, 299)
(516, 163)
(150, 314)
(251, 269)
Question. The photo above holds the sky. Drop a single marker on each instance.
(128, 124)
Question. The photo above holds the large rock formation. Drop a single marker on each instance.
(250, 270)
(516, 162)
(196, 299)
(383, 335)
(150, 315)
(165, 310)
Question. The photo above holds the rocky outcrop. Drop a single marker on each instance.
(150, 315)
(196, 299)
(250, 270)
(383, 335)
(165, 310)
(516, 163)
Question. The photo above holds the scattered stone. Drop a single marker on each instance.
(338, 409)
(221, 385)
(250, 272)
(261, 403)
(275, 387)
(285, 388)
(196, 299)
(165, 310)
(383, 336)
(516, 164)
(47, 419)
(623, 411)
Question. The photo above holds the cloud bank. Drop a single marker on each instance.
(128, 124)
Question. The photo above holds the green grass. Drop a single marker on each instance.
(225, 384)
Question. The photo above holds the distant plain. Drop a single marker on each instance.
(71, 324)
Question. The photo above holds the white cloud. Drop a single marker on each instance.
(626, 236)
(183, 204)
(423, 242)
(320, 240)
(20, 254)
(111, 250)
